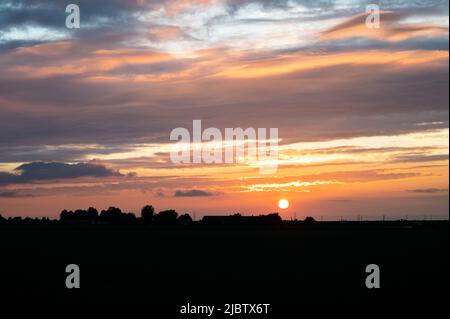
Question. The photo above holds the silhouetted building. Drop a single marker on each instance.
(166, 217)
(238, 219)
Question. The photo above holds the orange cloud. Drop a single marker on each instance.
(95, 64)
(390, 29)
(46, 49)
(302, 62)
(165, 33)
(178, 6)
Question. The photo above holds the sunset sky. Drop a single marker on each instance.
(86, 114)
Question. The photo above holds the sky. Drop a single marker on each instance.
(362, 113)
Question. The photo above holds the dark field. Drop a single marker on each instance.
(287, 263)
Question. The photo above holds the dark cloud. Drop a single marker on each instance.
(101, 21)
(15, 13)
(419, 158)
(328, 7)
(46, 153)
(52, 13)
(41, 171)
(192, 193)
(363, 150)
(428, 190)
(367, 100)
(14, 194)
(358, 43)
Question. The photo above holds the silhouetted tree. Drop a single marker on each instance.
(15, 220)
(80, 215)
(92, 214)
(2, 219)
(166, 217)
(28, 220)
(270, 219)
(115, 215)
(65, 215)
(147, 214)
(111, 214)
(130, 218)
(309, 220)
(185, 220)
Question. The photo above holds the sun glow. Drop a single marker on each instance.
(283, 203)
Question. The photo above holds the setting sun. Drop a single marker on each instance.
(283, 203)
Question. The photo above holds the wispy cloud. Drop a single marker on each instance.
(428, 190)
(193, 193)
(296, 186)
(14, 194)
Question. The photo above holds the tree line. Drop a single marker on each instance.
(112, 216)
(148, 216)
(115, 216)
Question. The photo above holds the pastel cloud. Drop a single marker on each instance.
(286, 187)
(355, 106)
(391, 29)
